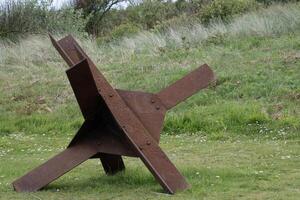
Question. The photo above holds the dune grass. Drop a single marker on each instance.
(238, 139)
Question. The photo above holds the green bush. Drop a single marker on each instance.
(225, 9)
(66, 20)
(175, 22)
(34, 16)
(268, 2)
(102, 40)
(118, 32)
(150, 13)
(124, 30)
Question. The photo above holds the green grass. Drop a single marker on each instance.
(243, 169)
(256, 95)
(238, 139)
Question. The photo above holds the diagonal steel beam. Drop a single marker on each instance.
(138, 136)
(187, 86)
(55, 167)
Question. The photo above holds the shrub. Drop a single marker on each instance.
(150, 13)
(268, 2)
(66, 20)
(103, 40)
(125, 30)
(225, 9)
(34, 16)
(174, 23)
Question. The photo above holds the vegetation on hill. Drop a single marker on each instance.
(237, 139)
(258, 76)
(104, 18)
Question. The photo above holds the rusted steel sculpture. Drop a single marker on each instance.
(117, 123)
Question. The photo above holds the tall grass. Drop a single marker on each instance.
(274, 20)
(19, 17)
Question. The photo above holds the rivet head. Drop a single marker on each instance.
(111, 95)
(152, 101)
(157, 107)
(148, 143)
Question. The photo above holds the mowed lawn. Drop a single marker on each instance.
(241, 169)
(238, 139)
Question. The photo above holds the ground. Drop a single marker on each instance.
(243, 169)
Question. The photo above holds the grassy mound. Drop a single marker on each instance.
(236, 139)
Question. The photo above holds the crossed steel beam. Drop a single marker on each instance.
(117, 123)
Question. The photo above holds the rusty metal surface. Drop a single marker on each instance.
(112, 164)
(55, 167)
(152, 117)
(62, 52)
(89, 101)
(187, 86)
(69, 50)
(138, 136)
(117, 123)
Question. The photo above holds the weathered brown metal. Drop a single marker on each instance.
(117, 123)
